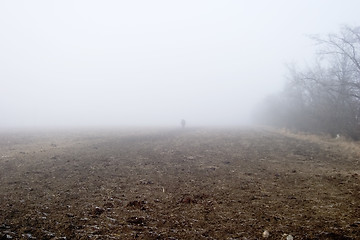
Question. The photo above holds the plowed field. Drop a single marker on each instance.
(176, 184)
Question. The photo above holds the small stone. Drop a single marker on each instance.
(289, 237)
(266, 234)
(98, 210)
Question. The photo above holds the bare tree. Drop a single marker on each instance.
(326, 96)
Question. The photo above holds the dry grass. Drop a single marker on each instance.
(342, 143)
(339, 145)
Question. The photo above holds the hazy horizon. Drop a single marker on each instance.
(152, 63)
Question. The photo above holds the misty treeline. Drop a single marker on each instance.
(324, 97)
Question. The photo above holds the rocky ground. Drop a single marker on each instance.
(176, 184)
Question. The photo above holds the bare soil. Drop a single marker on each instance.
(176, 184)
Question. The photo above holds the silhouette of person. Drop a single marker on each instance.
(183, 123)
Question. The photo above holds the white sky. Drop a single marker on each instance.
(130, 63)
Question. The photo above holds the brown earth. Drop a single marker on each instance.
(176, 184)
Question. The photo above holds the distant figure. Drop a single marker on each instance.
(183, 123)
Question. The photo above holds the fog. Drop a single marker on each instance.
(152, 63)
